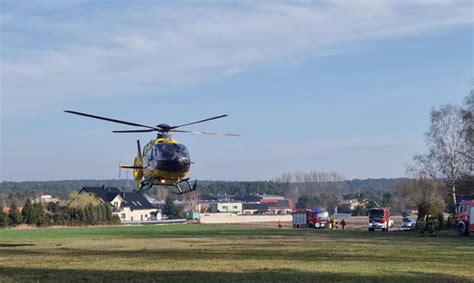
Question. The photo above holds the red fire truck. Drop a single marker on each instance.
(465, 218)
(310, 218)
(379, 218)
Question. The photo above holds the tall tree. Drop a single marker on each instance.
(108, 212)
(447, 159)
(83, 200)
(468, 116)
(27, 212)
(3, 216)
(169, 208)
(14, 215)
(38, 215)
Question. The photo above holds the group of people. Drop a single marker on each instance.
(333, 223)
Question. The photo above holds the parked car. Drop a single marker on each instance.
(407, 223)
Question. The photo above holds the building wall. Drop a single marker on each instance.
(116, 202)
(210, 218)
(136, 215)
(233, 207)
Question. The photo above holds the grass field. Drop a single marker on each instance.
(225, 253)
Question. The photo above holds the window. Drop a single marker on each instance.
(168, 151)
(131, 218)
(234, 207)
(116, 204)
(122, 216)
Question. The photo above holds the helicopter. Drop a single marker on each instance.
(164, 161)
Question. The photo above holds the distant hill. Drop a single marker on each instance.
(19, 191)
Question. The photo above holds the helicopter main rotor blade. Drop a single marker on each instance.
(200, 121)
(205, 133)
(112, 120)
(134, 131)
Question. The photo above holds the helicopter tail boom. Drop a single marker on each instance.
(130, 166)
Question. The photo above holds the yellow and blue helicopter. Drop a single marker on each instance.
(164, 161)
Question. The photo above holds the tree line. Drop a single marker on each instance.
(20, 191)
(54, 214)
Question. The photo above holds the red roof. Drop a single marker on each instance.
(7, 209)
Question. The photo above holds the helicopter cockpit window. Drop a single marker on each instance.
(181, 149)
(169, 151)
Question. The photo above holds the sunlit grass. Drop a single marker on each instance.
(212, 253)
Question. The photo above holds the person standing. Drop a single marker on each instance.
(343, 223)
(280, 224)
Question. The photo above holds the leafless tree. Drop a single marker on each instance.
(310, 177)
(468, 116)
(192, 200)
(447, 159)
(310, 183)
(423, 194)
(284, 178)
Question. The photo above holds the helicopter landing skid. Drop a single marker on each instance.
(181, 191)
(145, 186)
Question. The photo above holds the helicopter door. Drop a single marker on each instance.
(147, 155)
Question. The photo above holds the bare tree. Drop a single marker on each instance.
(310, 177)
(192, 200)
(312, 184)
(284, 178)
(424, 195)
(468, 116)
(325, 177)
(447, 160)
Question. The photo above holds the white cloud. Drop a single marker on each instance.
(56, 53)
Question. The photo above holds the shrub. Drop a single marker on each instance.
(115, 220)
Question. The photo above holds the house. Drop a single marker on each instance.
(128, 206)
(44, 199)
(251, 204)
(230, 207)
(7, 209)
(255, 208)
(277, 204)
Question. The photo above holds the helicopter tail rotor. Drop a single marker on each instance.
(139, 149)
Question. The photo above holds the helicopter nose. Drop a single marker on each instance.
(184, 160)
(183, 164)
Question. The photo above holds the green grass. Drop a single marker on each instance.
(226, 253)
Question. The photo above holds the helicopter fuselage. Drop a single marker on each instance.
(165, 161)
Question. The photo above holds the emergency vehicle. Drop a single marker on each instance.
(465, 218)
(379, 218)
(310, 218)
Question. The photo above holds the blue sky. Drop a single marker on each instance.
(312, 85)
